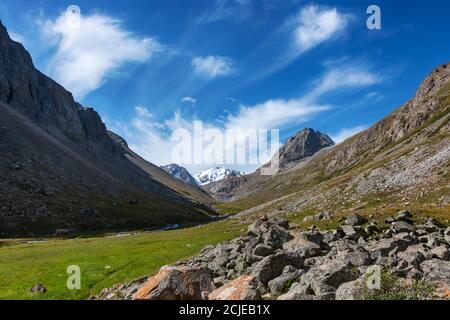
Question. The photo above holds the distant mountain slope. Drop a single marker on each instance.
(215, 174)
(180, 173)
(299, 148)
(61, 169)
(402, 160)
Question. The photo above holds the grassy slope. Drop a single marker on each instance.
(103, 261)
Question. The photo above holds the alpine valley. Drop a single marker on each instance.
(73, 192)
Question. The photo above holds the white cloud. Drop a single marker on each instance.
(345, 76)
(190, 100)
(145, 134)
(346, 133)
(374, 96)
(142, 112)
(92, 49)
(273, 114)
(212, 66)
(317, 25)
(17, 37)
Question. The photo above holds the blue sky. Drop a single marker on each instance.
(154, 66)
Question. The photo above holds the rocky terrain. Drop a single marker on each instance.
(180, 173)
(62, 171)
(275, 260)
(300, 147)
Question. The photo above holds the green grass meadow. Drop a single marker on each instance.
(104, 261)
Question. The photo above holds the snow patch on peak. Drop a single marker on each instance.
(215, 174)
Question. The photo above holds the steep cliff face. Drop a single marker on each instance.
(59, 162)
(43, 100)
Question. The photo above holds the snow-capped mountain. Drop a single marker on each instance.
(180, 173)
(215, 174)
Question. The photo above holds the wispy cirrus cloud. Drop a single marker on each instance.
(92, 48)
(341, 75)
(316, 25)
(145, 135)
(346, 133)
(212, 66)
(190, 100)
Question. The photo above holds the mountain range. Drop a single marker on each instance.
(62, 171)
(401, 161)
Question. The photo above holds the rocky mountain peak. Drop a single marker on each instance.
(216, 174)
(302, 145)
(180, 173)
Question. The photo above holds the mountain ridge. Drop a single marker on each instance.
(76, 175)
(298, 149)
(215, 174)
(180, 173)
(403, 156)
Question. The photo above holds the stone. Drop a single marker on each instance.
(272, 266)
(122, 291)
(402, 226)
(177, 283)
(433, 241)
(355, 220)
(432, 225)
(219, 281)
(297, 292)
(350, 232)
(447, 232)
(413, 258)
(312, 236)
(441, 252)
(38, 288)
(330, 274)
(436, 270)
(270, 232)
(383, 247)
(403, 215)
(263, 250)
(389, 220)
(304, 248)
(352, 290)
(283, 223)
(242, 288)
(278, 285)
(372, 228)
(356, 256)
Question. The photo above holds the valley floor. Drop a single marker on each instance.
(104, 261)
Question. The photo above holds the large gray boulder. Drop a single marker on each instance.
(383, 247)
(272, 266)
(436, 270)
(279, 285)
